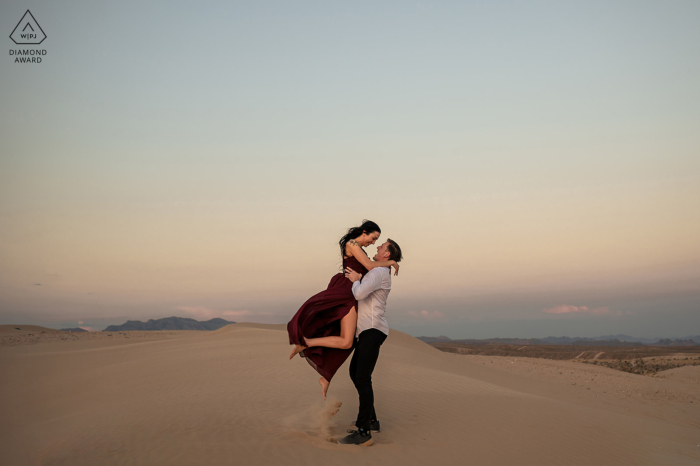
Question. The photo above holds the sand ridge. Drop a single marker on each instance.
(231, 395)
(12, 330)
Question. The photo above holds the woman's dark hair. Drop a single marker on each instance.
(367, 226)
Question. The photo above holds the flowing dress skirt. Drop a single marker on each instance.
(320, 317)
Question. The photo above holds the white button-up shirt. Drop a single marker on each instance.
(371, 294)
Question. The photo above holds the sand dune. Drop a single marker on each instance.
(231, 396)
(8, 330)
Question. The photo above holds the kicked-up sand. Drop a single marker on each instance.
(232, 396)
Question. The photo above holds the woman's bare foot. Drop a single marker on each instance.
(297, 349)
(324, 386)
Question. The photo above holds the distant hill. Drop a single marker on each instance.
(620, 338)
(487, 341)
(678, 342)
(607, 340)
(74, 329)
(614, 342)
(435, 339)
(169, 323)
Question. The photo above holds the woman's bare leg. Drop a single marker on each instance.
(348, 324)
(324, 386)
(344, 341)
(296, 350)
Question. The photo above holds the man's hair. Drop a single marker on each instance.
(394, 251)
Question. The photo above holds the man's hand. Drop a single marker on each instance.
(351, 275)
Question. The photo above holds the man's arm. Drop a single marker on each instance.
(372, 281)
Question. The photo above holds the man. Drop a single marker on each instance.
(372, 329)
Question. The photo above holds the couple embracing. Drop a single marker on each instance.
(349, 315)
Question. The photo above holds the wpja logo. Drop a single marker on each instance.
(28, 32)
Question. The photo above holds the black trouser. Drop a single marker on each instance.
(361, 367)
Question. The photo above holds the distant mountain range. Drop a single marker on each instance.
(74, 329)
(606, 340)
(169, 323)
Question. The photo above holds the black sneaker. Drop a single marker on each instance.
(373, 426)
(358, 437)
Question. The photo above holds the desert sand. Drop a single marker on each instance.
(231, 396)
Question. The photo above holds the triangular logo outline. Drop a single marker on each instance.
(29, 19)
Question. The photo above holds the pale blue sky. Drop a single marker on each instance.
(199, 158)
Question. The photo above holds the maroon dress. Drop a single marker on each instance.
(320, 317)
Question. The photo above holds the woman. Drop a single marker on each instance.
(323, 329)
